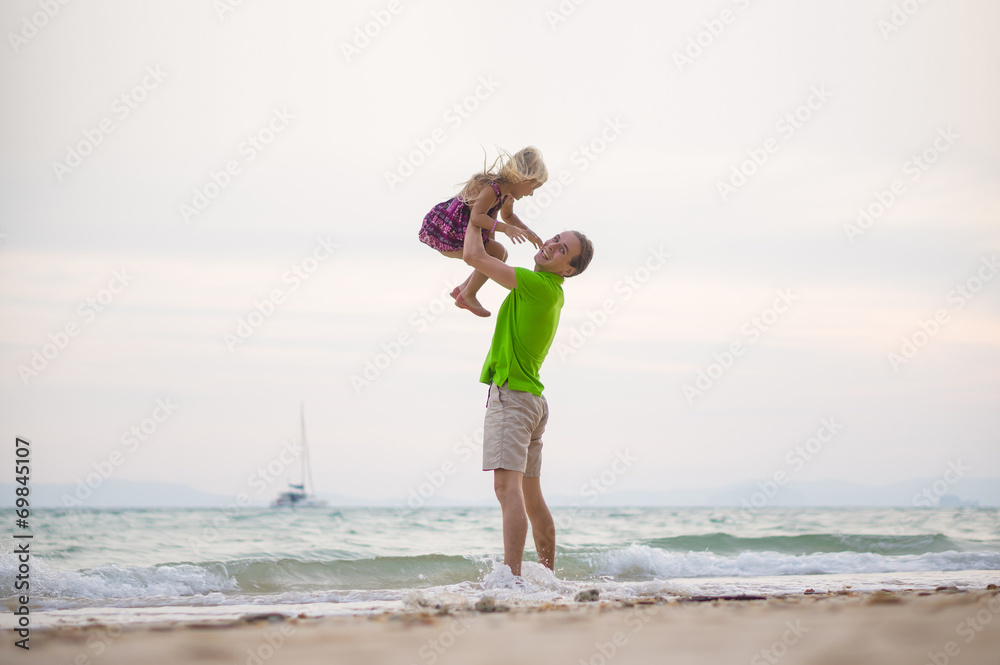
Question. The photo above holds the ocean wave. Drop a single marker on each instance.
(114, 581)
(386, 572)
(638, 562)
(332, 579)
(724, 543)
(247, 576)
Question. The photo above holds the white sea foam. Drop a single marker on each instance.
(638, 561)
(619, 573)
(112, 581)
(101, 562)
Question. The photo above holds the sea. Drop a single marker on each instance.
(141, 565)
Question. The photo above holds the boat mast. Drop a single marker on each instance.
(306, 468)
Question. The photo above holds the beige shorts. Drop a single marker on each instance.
(512, 433)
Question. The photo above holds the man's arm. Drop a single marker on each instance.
(474, 253)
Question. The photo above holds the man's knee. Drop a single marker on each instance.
(508, 493)
(507, 487)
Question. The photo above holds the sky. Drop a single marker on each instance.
(209, 216)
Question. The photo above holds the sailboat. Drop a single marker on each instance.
(297, 495)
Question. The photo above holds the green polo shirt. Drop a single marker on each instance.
(526, 325)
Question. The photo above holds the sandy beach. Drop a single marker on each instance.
(911, 627)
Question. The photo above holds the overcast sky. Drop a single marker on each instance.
(216, 205)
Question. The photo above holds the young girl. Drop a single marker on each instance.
(485, 194)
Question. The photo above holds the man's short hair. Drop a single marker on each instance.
(582, 260)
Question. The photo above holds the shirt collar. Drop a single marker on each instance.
(558, 279)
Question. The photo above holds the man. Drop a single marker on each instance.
(516, 411)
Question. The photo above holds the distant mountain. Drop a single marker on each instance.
(920, 493)
(116, 494)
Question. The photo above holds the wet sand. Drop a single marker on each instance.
(906, 627)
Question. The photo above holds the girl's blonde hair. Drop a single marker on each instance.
(522, 166)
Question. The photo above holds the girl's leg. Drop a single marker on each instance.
(457, 254)
(470, 287)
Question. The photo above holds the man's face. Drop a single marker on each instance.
(557, 252)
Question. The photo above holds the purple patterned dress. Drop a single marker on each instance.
(444, 226)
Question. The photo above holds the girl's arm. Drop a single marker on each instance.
(484, 201)
(507, 213)
(478, 218)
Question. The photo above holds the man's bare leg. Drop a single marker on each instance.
(543, 528)
(507, 485)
